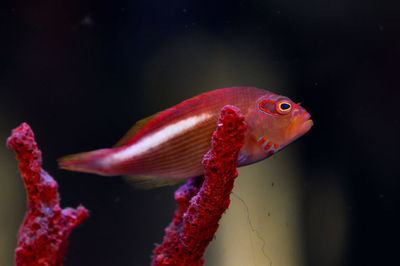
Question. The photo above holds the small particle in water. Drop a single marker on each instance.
(87, 21)
(272, 184)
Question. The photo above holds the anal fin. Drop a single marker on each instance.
(149, 182)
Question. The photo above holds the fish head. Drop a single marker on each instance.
(277, 119)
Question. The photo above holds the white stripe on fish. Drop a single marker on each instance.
(157, 138)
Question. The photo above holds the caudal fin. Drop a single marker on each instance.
(88, 162)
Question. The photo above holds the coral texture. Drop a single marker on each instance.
(42, 238)
(203, 200)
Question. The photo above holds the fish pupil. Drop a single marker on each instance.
(285, 106)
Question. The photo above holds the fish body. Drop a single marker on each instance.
(171, 144)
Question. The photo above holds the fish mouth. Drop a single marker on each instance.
(301, 125)
(305, 124)
(308, 124)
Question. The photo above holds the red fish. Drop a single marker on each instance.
(168, 147)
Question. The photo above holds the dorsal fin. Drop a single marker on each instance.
(144, 122)
(134, 129)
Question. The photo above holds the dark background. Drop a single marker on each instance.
(81, 73)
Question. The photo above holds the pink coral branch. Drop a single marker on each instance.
(42, 238)
(202, 201)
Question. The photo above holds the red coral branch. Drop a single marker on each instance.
(201, 204)
(42, 238)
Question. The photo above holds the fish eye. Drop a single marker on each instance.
(283, 107)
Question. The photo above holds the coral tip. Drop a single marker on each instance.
(42, 238)
(203, 200)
